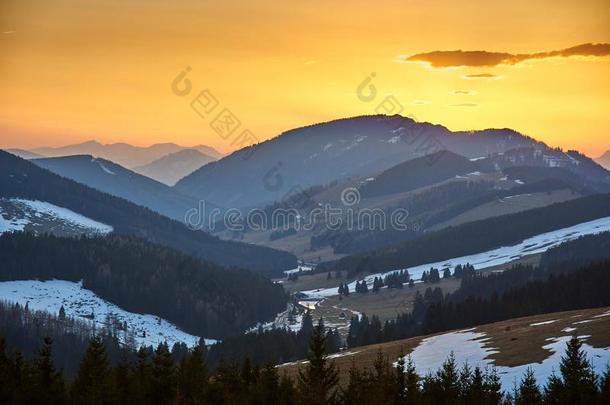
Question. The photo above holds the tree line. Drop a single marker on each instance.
(157, 378)
(482, 302)
(466, 239)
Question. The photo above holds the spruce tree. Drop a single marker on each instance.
(92, 384)
(193, 378)
(411, 382)
(528, 392)
(163, 376)
(448, 377)
(48, 383)
(400, 394)
(577, 374)
(318, 379)
(553, 390)
(604, 386)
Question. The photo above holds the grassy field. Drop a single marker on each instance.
(516, 340)
(509, 205)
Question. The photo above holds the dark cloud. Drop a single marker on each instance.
(484, 58)
(463, 92)
(481, 76)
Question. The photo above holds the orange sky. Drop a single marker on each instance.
(73, 70)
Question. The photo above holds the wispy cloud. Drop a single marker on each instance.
(488, 76)
(464, 92)
(459, 58)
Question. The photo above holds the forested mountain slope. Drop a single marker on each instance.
(22, 179)
(203, 298)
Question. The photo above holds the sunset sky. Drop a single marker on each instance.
(71, 71)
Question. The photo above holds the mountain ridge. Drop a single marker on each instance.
(172, 167)
(122, 153)
(20, 178)
(320, 153)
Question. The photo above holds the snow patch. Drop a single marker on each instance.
(12, 224)
(469, 346)
(64, 214)
(107, 170)
(502, 255)
(544, 323)
(77, 301)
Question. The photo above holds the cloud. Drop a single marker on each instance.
(464, 92)
(464, 105)
(459, 58)
(490, 76)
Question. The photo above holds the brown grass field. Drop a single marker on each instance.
(516, 341)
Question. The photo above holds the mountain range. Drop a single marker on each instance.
(359, 146)
(124, 154)
(116, 180)
(23, 179)
(174, 166)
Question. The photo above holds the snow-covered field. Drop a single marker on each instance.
(79, 302)
(19, 213)
(536, 244)
(469, 346)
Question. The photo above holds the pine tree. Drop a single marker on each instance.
(604, 396)
(412, 382)
(307, 325)
(92, 383)
(193, 378)
(317, 381)
(123, 378)
(528, 392)
(492, 387)
(355, 391)
(48, 383)
(577, 374)
(163, 376)
(62, 313)
(448, 377)
(476, 390)
(553, 390)
(142, 375)
(400, 394)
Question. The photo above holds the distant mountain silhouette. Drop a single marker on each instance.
(123, 153)
(604, 160)
(171, 168)
(24, 154)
